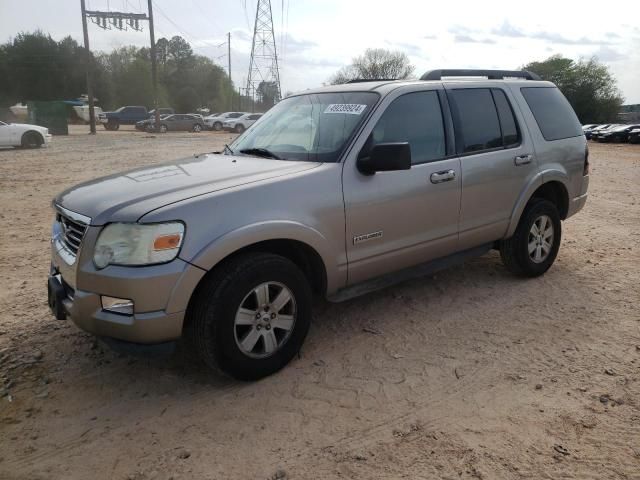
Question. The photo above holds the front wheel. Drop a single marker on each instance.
(251, 315)
(217, 126)
(31, 140)
(163, 128)
(239, 128)
(535, 244)
(197, 128)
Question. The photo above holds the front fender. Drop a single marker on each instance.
(542, 177)
(235, 240)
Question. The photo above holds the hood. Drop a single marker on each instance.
(130, 195)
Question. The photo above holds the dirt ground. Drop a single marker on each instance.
(471, 373)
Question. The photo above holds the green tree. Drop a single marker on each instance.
(375, 63)
(33, 66)
(588, 85)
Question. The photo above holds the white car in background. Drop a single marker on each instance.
(23, 135)
(215, 122)
(240, 124)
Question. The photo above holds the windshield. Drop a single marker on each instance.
(314, 127)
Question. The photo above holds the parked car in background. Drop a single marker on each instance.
(634, 136)
(23, 135)
(179, 122)
(617, 134)
(240, 124)
(143, 125)
(123, 116)
(215, 123)
(589, 126)
(598, 130)
(162, 111)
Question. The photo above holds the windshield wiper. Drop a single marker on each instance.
(227, 148)
(260, 152)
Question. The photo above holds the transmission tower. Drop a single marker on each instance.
(264, 58)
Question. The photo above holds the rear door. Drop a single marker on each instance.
(403, 218)
(497, 160)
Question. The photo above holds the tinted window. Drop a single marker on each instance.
(553, 113)
(510, 134)
(236, 115)
(476, 118)
(415, 118)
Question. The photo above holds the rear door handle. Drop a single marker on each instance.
(523, 159)
(444, 176)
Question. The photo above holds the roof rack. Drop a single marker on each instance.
(361, 80)
(490, 74)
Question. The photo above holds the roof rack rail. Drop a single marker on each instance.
(360, 80)
(490, 74)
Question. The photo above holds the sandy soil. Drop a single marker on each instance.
(471, 373)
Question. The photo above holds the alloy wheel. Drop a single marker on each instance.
(265, 319)
(540, 239)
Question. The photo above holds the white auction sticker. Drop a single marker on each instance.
(352, 108)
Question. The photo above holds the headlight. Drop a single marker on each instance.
(138, 244)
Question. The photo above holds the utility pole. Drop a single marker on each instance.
(154, 74)
(119, 21)
(87, 57)
(229, 53)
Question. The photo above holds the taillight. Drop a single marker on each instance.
(585, 170)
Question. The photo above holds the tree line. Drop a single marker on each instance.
(34, 66)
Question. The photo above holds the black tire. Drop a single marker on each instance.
(239, 128)
(31, 140)
(217, 126)
(514, 251)
(211, 326)
(163, 128)
(197, 128)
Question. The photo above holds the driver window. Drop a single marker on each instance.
(415, 118)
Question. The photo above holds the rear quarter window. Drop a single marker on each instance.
(553, 113)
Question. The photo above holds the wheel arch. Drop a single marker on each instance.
(31, 132)
(550, 186)
(303, 255)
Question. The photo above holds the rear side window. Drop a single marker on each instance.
(553, 113)
(415, 118)
(476, 118)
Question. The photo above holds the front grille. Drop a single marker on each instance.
(72, 232)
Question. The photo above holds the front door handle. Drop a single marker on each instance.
(444, 176)
(523, 160)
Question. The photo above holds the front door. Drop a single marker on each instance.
(402, 218)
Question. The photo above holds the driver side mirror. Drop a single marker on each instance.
(385, 157)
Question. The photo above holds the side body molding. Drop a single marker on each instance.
(232, 241)
(542, 177)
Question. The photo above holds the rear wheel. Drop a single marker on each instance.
(197, 128)
(239, 128)
(31, 140)
(163, 128)
(217, 126)
(251, 315)
(534, 246)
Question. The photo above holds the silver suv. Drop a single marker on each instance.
(333, 192)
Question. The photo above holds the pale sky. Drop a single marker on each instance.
(315, 38)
